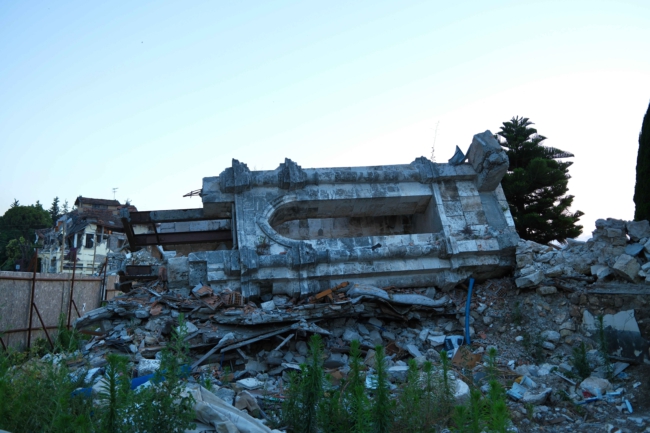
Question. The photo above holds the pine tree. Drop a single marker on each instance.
(642, 187)
(66, 207)
(55, 211)
(536, 185)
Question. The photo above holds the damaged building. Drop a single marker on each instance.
(296, 231)
(91, 231)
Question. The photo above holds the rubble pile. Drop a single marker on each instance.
(537, 321)
(618, 250)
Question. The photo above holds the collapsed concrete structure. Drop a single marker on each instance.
(296, 231)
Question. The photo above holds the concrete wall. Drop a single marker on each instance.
(51, 296)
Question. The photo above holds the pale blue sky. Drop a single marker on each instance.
(151, 97)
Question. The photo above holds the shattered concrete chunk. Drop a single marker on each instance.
(530, 280)
(627, 267)
(546, 290)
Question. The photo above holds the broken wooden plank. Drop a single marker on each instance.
(285, 341)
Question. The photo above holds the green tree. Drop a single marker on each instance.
(642, 186)
(20, 222)
(18, 252)
(536, 185)
(55, 211)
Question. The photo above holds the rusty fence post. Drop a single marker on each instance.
(31, 304)
(32, 307)
(73, 257)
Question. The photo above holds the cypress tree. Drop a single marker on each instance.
(536, 185)
(642, 186)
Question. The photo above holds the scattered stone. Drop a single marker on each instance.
(303, 349)
(548, 345)
(546, 290)
(596, 386)
(268, 306)
(551, 336)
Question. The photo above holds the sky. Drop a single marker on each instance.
(150, 97)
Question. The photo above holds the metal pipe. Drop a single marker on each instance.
(467, 304)
(7, 277)
(43, 326)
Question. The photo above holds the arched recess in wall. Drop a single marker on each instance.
(357, 217)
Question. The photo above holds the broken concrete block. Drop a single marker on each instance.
(178, 271)
(621, 321)
(189, 327)
(488, 158)
(638, 229)
(362, 329)
(250, 383)
(370, 358)
(546, 290)
(555, 271)
(245, 401)
(423, 335)
(350, 335)
(596, 386)
(413, 350)
(256, 366)
(398, 372)
(226, 394)
(141, 314)
(529, 280)
(268, 306)
(627, 267)
(147, 366)
(335, 360)
(536, 398)
(461, 393)
(375, 337)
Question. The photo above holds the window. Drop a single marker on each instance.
(90, 242)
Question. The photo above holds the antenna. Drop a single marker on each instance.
(433, 146)
(114, 189)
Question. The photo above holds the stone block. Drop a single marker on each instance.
(627, 267)
(638, 230)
